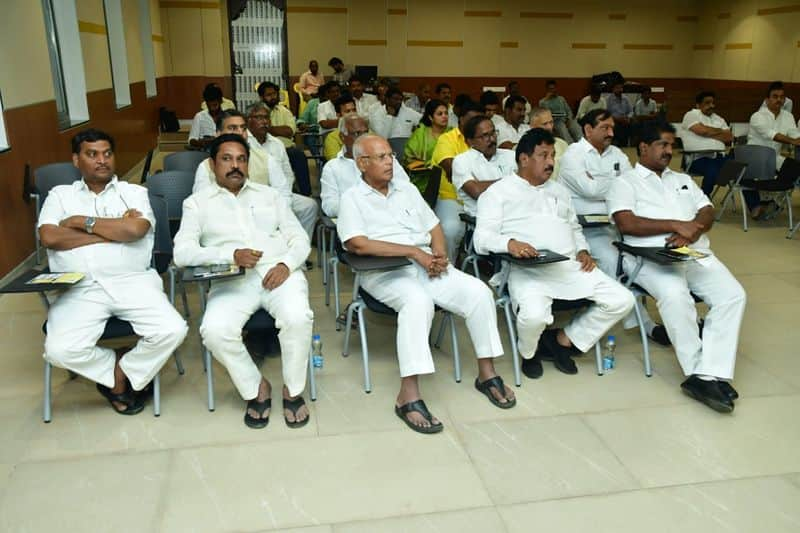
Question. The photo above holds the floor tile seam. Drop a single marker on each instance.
(613, 452)
(164, 493)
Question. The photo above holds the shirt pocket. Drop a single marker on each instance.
(684, 200)
(264, 219)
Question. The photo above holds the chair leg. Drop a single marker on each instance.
(454, 340)
(793, 231)
(186, 312)
(46, 413)
(156, 396)
(179, 364)
(209, 378)
(319, 246)
(598, 357)
(789, 208)
(440, 333)
(512, 336)
(312, 382)
(648, 371)
(348, 328)
(362, 332)
(334, 265)
(744, 209)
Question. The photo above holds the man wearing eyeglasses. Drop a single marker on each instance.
(103, 227)
(384, 217)
(484, 163)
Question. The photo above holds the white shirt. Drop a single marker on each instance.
(527, 118)
(216, 223)
(587, 105)
(274, 149)
(339, 175)
(497, 118)
(452, 118)
(325, 111)
(202, 126)
(507, 132)
(273, 176)
(588, 174)
(103, 261)
(673, 196)
(787, 104)
(473, 165)
(400, 217)
(388, 126)
(764, 126)
(696, 143)
(364, 104)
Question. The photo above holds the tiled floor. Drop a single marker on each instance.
(579, 453)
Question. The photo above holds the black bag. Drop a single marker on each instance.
(169, 120)
(607, 80)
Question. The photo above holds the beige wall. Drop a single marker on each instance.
(196, 38)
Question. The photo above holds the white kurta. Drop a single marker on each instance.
(388, 126)
(119, 282)
(544, 218)
(403, 217)
(764, 126)
(508, 133)
(325, 111)
(473, 165)
(202, 126)
(365, 103)
(215, 224)
(676, 196)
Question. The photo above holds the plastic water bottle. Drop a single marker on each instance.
(608, 354)
(316, 351)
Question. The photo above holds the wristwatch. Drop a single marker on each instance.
(89, 225)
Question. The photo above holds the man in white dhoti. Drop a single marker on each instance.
(588, 169)
(524, 212)
(103, 227)
(250, 225)
(384, 217)
(655, 206)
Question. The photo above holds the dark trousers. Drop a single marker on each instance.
(297, 158)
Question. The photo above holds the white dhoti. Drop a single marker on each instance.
(670, 285)
(413, 294)
(448, 211)
(306, 210)
(76, 321)
(232, 303)
(533, 290)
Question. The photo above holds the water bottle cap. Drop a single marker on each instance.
(611, 338)
(316, 337)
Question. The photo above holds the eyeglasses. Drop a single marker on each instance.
(259, 117)
(379, 157)
(488, 135)
(358, 133)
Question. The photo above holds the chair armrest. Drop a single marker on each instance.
(650, 253)
(593, 221)
(545, 257)
(20, 284)
(469, 219)
(366, 263)
(328, 222)
(187, 274)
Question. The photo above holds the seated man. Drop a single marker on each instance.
(512, 88)
(622, 112)
(588, 169)
(491, 106)
(364, 101)
(311, 80)
(483, 164)
(542, 118)
(420, 98)
(224, 105)
(512, 126)
(203, 124)
(393, 119)
(247, 224)
(565, 125)
(384, 217)
(103, 227)
(655, 206)
(333, 143)
(341, 73)
(327, 115)
(594, 100)
(342, 173)
(705, 131)
(525, 212)
(645, 107)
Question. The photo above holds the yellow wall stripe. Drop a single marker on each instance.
(589, 46)
(397, 11)
(687, 18)
(738, 46)
(483, 13)
(617, 16)
(703, 47)
(188, 5)
(315, 9)
(158, 38)
(638, 46)
(545, 15)
(509, 44)
(366, 42)
(91, 27)
(453, 44)
(778, 10)
(724, 16)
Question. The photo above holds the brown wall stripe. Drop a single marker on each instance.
(188, 5)
(397, 11)
(617, 16)
(483, 13)
(315, 9)
(724, 16)
(366, 42)
(636, 46)
(738, 46)
(91, 27)
(509, 44)
(453, 44)
(778, 10)
(703, 47)
(687, 18)
(589, 46)
(158, 38)
(544, 15)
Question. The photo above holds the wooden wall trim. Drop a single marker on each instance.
(545, 15)
(173, 4)
(617, 16)
(397, 11)
(483, 13)
(738, 46)
(366, 42)
(794, 8)
(453, 44)
(91, 27)
(316, 9)
(645, 46)
(589, 46)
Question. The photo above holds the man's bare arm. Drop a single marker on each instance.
(329, 123)
(61, 238)
(785, 139)
(475, 188)
(125, 229)
(630, 224)
(447, 166)
(283, 131)
(724, 135)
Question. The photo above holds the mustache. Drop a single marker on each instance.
(234, 172)
(549, 168)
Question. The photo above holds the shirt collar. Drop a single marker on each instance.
(643, 172)
(589, 148)
(113, 183)
(366, 189)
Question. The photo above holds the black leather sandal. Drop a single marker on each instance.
(294, 406)
(419, 407)
(133, 404)
(260, 408)
(495, 383)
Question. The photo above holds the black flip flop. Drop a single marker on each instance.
(495, 383)
(260, 408)
(133, 404)
(419, 407)
(294, 406)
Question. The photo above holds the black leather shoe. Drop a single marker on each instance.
(532, 368)
(709, 393)
(728, 389)
(562, 356)
(659, 335)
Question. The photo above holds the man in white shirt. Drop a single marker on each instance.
(706, 132)
(383, 217)
(342, 173)
(541, 117)
(594, 100)
(393, 119)
(420, 98)
(203, 127)
(654, 206)
(513, 126)
(525, 212)
(491, 106)
(476, 170)
(512, 88)
(645, 107)
(327, 118)
(364, 101)
(250, 225)
(103, 228)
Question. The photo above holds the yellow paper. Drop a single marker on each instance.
(57, 277)
(596, 218)
(685, 250)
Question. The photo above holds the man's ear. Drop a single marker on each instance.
(75, 160)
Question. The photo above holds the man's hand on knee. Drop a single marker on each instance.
(275, 277)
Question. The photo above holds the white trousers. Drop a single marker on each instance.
(306, 210)
(413, 294)
(600, 241)
(76, 321)
(230, 306)
(447, 212)
(611, 300)
(715, 353)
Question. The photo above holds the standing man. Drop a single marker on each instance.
(543, 118)
(393, 119)
(654, 206)
(249, 225)
(386, 218)
(706, 132)
(621, 111)
(565, 125)
(513, 125)
(364, 101)
(103, 227)
(311, 80)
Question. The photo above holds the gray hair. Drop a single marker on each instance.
(536, 111)
(255, 106)
(358, 145)
(347, 119)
